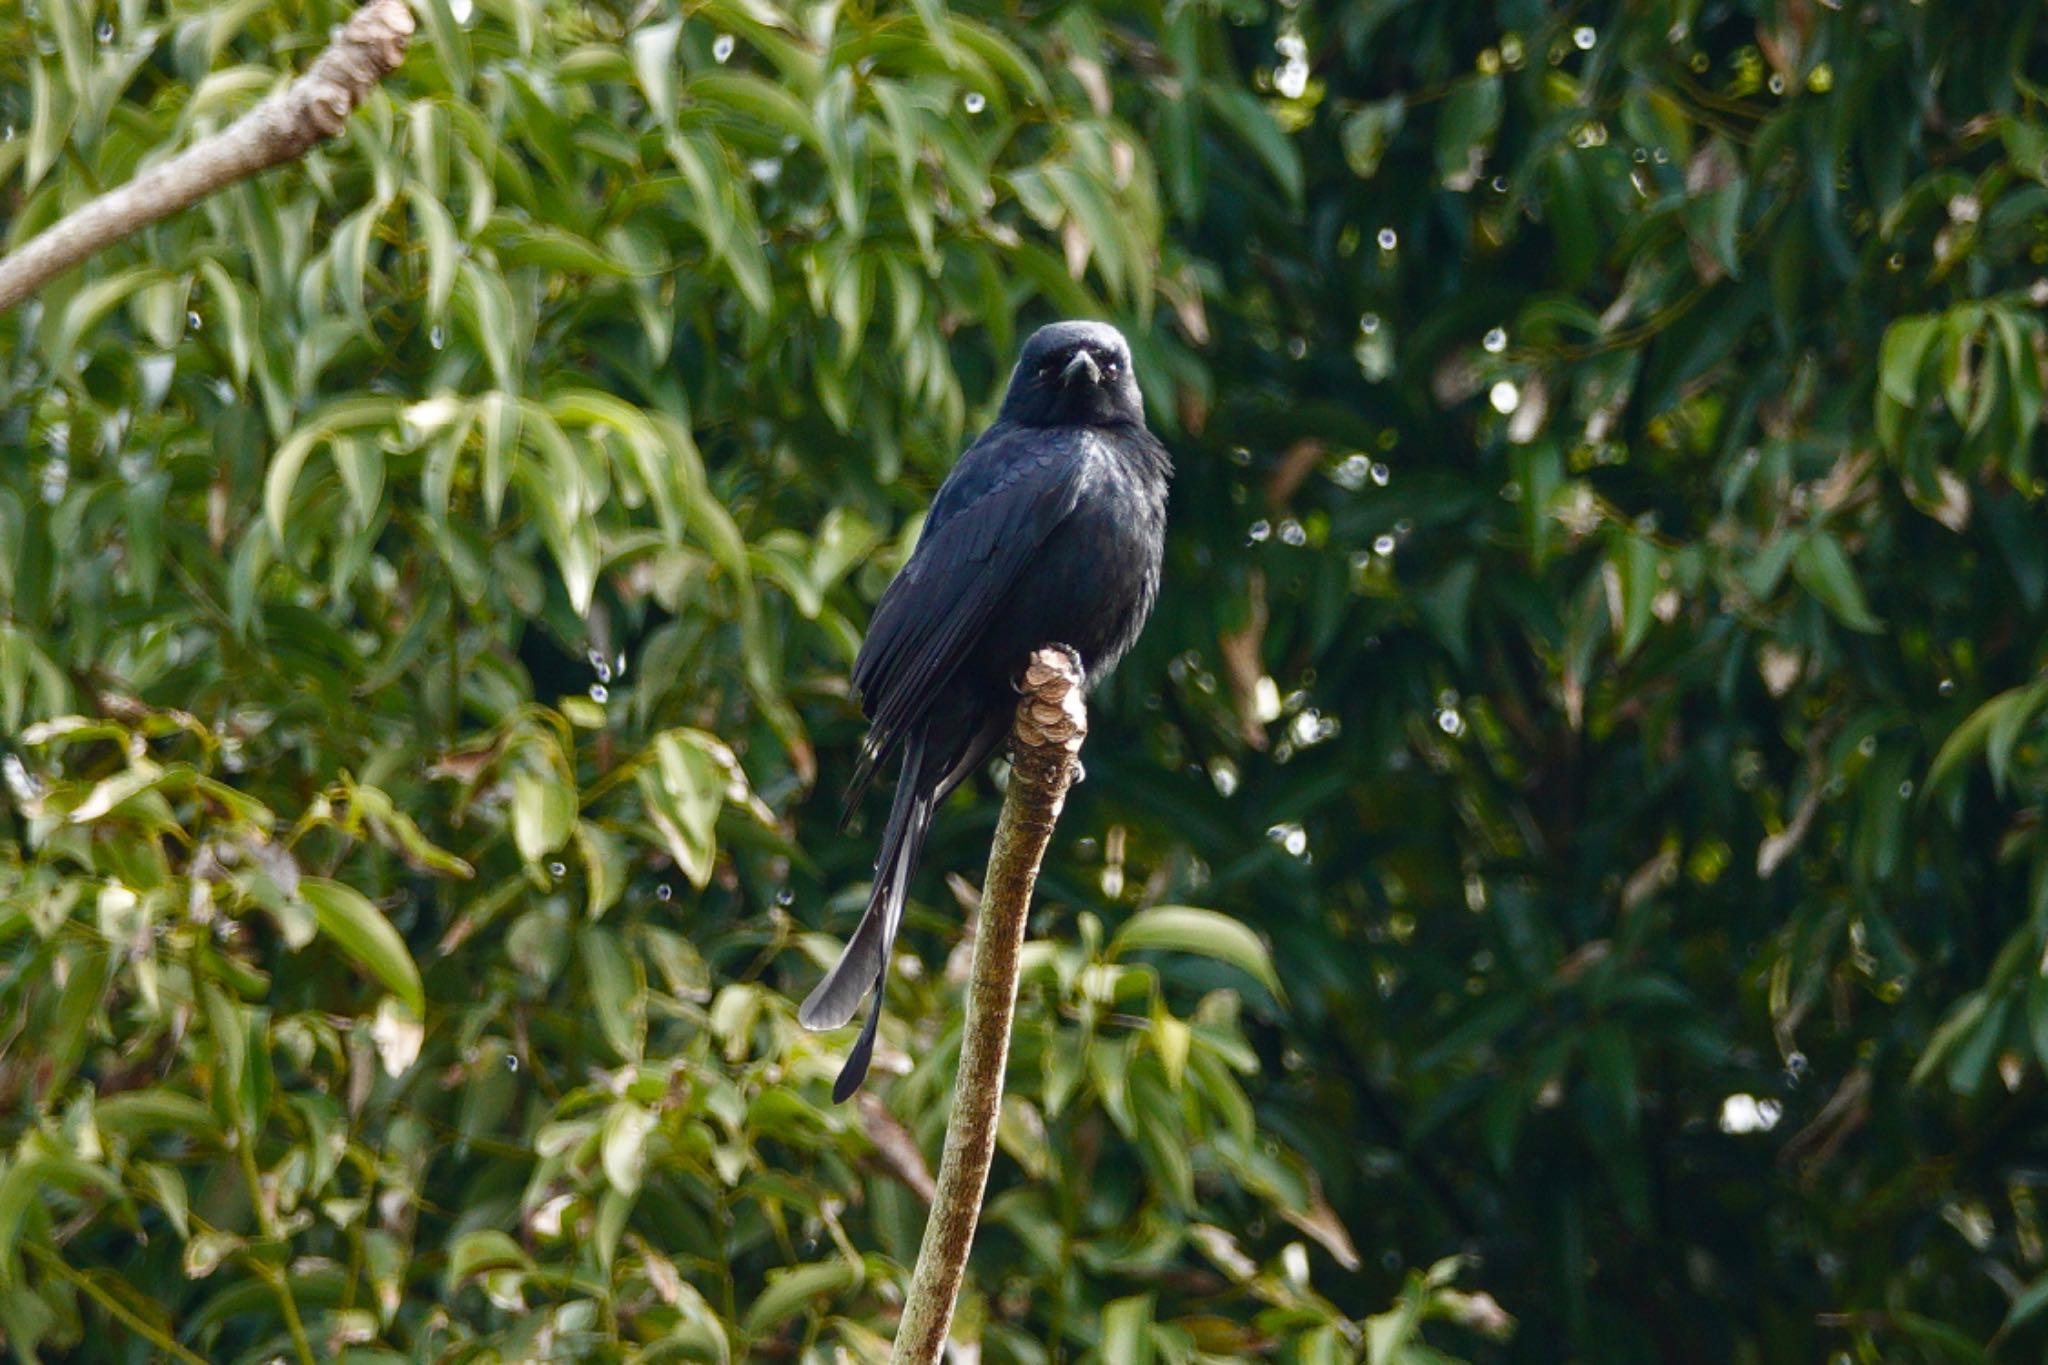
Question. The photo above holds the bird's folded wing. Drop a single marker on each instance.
(1005, 497)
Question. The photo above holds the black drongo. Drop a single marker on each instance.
(1047, 532)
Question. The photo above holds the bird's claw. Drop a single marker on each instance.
(1073, 656)
(1073, 661)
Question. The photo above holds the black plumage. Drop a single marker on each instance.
(1048, 531)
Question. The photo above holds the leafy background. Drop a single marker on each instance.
(1562, 876)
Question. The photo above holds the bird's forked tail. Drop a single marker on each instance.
(864, 963)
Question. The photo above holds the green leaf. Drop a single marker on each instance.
(34, 1171)
(136, 1113)
(1103, 226)
(1964, 1018)
(2008, 723)
(1249, 118)
(683, 791)
(487, 313)
(652, 49)
(1636, 562)
(614, 1207)
(2026, 1305)
(932, 14)
(484, 1250)
(1171, 1039)
(438, 231)
(1713, 213)
(232, 317)
(557, 249)
(167, 1187)
(1969, 738)
(614, 993)
(1465, 129)
(2037, 1019)
(399, 830)
(51, 115)
(344, 414)
(1186, 929)
(664, 459)
(543, 813)
(111, 793)
(682, 967)
(498, 425)
(1008, 61)
(1903, 354)
(623, 1148)
(791, 1291)
(361, 931)
(1823, 569)
(1128, 1332)
(78, 1003)
(361, 466)
(92, 303)
(348, 265)
(605, 866)
(745, 93)
(450, 43)
(1367, 134)
(1954, 1343)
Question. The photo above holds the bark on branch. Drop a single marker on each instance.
(282, 128)
(1046, 745)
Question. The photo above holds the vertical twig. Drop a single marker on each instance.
(1046, 744)
(278, 1277)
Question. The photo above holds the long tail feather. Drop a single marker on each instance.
(856, 1068)
(885, 909)
(865, 959)
(872, 753)
(934, 763)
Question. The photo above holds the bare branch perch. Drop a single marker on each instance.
(311, 109)
(1046, 745)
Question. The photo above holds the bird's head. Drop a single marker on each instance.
(1074, 374)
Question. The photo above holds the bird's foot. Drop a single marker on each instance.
(1073, 660)
(1073, 656)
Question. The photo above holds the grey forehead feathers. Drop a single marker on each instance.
(1058, 336)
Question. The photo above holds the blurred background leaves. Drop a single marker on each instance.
(1561, 876)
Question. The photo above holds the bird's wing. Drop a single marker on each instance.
(1007, 493)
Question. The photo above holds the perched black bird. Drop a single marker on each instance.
(1047, 532)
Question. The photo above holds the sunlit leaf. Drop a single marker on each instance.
(1186, 929)
(360, 930)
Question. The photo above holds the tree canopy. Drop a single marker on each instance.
(1562, 877)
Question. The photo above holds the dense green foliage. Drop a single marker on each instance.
(1599, 676)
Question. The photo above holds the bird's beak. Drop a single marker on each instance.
(1081, 361)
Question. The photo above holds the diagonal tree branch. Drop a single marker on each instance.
(1045, 758)
(282, 128)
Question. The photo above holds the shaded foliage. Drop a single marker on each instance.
(1576, 806)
